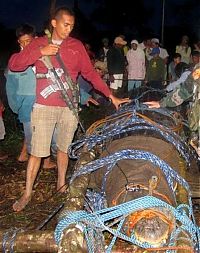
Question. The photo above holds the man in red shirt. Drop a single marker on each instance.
(50, 109)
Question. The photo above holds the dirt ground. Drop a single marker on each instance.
(45, 199)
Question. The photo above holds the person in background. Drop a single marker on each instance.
(50, 109)
(21, 92)
(146, 46)
(187, 90)
(2, 129)
(171, 68)
(155, 74)
(125, 47)
(91, 54)
(102, 55)
(195, 57)
(182, 71)
(155, 43)
(136, 66)
(197, 46)
(116, 64)
(184, 49)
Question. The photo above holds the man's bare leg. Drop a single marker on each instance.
(62, 162)
(32, 170)
(48, 164)
(23, 157)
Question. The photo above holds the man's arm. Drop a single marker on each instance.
(177, 97)
(26, 57)
(174, 85)
(31, 53)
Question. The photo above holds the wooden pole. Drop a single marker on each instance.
(163, 22)
(30, 241)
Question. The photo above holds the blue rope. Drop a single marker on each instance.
(94, 201)
(98, 219)
(111, 160)
(10, 236)
(129, 125)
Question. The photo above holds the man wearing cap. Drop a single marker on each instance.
(136, 66)
(156, 70)
(155, 43)
(116, 64)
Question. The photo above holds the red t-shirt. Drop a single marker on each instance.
(74, 57)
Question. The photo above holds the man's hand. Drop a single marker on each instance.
(196, 74)
(111, 78)
(91, 100)
(50, 49)
(118, 101)
(152, 104)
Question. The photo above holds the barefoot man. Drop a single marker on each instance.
(50, 109)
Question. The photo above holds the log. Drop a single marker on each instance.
(73, 239)
(43, 242)
(30, 241)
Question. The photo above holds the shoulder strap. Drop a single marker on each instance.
(72, 85)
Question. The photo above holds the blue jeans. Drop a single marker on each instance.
(28, 136)
(133, 84)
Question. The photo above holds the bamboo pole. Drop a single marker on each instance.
(30, 241)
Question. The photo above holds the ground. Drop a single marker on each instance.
(45, 199)
(12, 177)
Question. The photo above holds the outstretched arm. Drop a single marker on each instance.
(177, 97)
(153, 104)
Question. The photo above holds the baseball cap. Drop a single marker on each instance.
(155, 40)
(119, 40)
(155, 50)
(134, 42)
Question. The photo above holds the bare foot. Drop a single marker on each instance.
(22, 158)
(20, 204)
(62, 189)
(48, 164)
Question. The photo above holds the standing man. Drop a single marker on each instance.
(65, 54)
(116, 64)
(155, 74)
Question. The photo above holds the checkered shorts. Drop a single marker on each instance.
(44, 119)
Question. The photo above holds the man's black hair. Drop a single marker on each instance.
(176, 55)
(62, 10)
(25, 29)
(195, 53)
(181, 68)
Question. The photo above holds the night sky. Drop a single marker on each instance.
(36, 12)
(16, 12)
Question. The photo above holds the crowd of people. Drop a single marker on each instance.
(42, 86)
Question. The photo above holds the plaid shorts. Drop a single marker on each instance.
(117, 82)
(44, 119)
